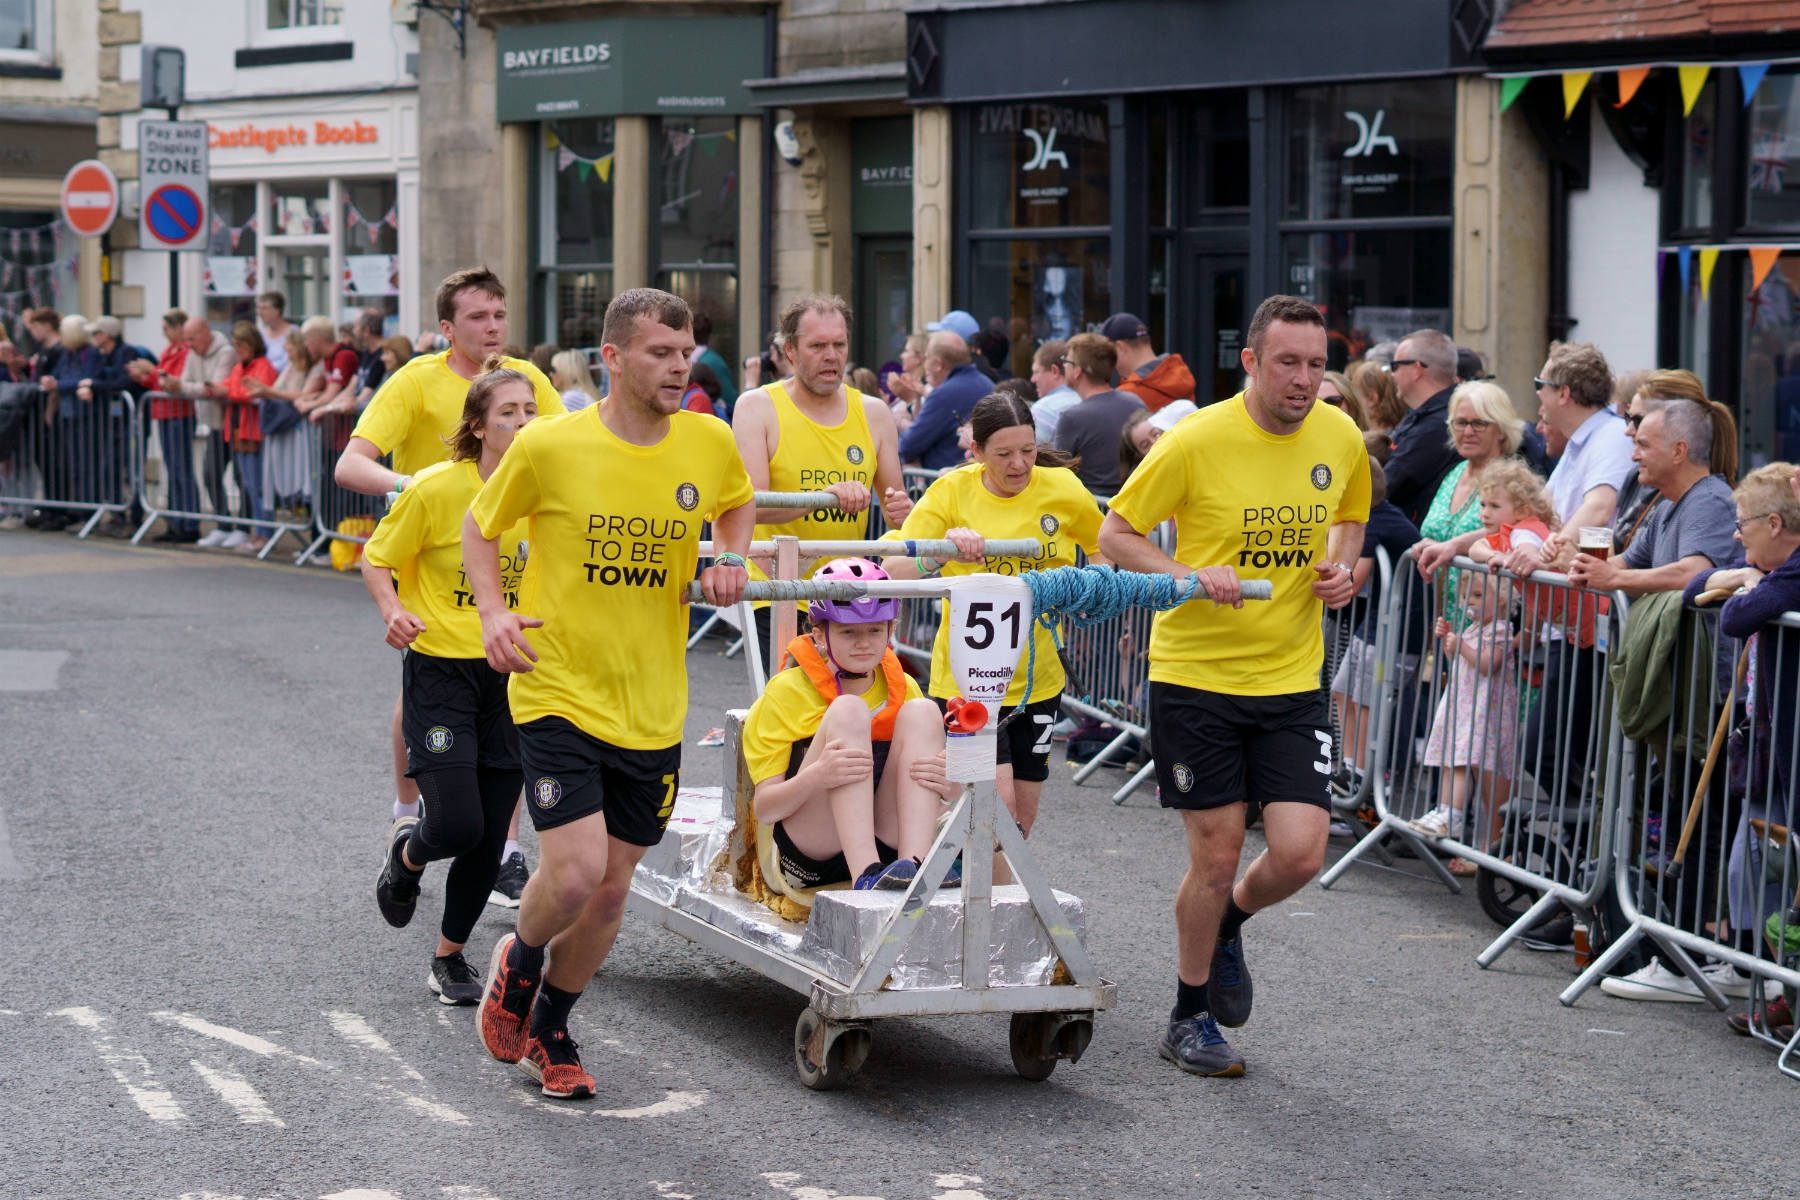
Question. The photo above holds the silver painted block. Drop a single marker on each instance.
(845, 928)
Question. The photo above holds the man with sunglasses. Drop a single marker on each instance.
(1424, 370)
(1574, 392)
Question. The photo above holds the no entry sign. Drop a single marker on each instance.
(172, 183)
(90, 198)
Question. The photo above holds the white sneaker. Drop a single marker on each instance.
(1733, 982)
(212, 539)
(1435, 823)
(1654, 982)
(234, 539)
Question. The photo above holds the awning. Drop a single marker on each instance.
(830, 85)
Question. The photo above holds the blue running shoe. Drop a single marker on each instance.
(1228, 989)
(1197, 1047)
(897, 876)
(953, 877)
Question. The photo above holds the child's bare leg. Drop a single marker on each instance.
(905, 810)
(840, 818)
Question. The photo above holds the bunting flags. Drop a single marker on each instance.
(1709, 258)
(1762, 260)
(1692, 78)
(390, 219)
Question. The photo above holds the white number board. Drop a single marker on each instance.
(990, 618)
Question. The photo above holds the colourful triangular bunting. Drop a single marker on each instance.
(550, 138)
(1510, 89)
(1709, 258)
(1573, 83)
(604, 167)
(1751, 76)
(1684, 258)
(1693, 78)
(1762, 260)
(1630, 80)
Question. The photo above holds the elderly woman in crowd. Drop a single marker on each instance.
(1484, 428)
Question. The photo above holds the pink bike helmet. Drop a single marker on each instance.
(865, 610)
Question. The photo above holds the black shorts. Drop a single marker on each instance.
(570, 775)
(877, 751)
(1024, 745)
(453, 714)
(1213, 749)
(803, 871)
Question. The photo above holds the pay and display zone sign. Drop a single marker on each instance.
(172, 187)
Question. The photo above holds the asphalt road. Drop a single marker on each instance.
(202, 1000)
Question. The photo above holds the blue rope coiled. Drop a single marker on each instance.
(1090, 595)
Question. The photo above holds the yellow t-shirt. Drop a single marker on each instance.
(420, 541)
(1262, 505)
(788, 711)
(417, 408)
(615, 531)
(810, 457)
(1054, 508)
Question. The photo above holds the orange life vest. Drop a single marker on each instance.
(805, 653)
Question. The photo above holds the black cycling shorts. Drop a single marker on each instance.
(570, 774)
(1213, 749)
(453, 714)
(803, 871)
(1024, 745)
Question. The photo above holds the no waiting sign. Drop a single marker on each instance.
(172, 193)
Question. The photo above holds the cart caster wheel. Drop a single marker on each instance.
(1039, 1040)
(826, 1053)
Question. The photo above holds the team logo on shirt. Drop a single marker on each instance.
(1321, 477)
(438, 739)
(1049, 524)
(546, 792)
(688, 496)
(854, 454)
(1184, 778)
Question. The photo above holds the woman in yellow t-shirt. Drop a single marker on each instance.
(1015, 488)
(847, 756)
(461, 746)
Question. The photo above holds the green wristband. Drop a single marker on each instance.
(927, 566)
(730, 558)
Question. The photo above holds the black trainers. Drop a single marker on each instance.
(397, 890)
(897, 876)
(1555, 936)
(509, 885)
(1197, 1047)
(454, 980)
(1228, 989)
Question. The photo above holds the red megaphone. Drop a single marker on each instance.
(965, 716)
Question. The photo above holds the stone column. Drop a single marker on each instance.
(631, 204)
(752, 321)
(1501, 298)
(932, 214)
(516, 224)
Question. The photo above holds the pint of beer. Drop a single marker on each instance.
(1595, 540)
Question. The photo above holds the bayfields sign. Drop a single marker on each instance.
(618, 66)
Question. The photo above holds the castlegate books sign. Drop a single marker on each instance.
(618, 66)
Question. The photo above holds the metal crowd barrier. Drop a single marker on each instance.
(200, 479)
(60, 454)
(1513, 747)
(1707, 845)
(338, 514)
(1352, 673)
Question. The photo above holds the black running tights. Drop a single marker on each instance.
(464, 815)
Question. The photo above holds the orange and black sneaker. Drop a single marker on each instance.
(551, 1060)
(505, 1010)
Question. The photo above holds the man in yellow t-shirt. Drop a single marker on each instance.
(811, 432)
(615, 495)
(1269, 484)
(412, 417)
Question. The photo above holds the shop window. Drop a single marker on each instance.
(371, 225)
(1772, 190)
(1221, 157)
(1041, 288)
(25, 27)
(1039, 165)
(302, 14)
(37, 267)
(1369, 150)
(1372, 285)
(575, 245)
(230, 272)
(1699, 152)
(1770, 410)
(694, 218)
(299, 209)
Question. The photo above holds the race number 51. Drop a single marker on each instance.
(990, 618)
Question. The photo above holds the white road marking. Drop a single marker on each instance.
(463, 1191)
(668, 1106)
(960, 1187)
(789, 1182)
(236, 1037)
(358, 1031)
(31, 670)
(666, 1189)
(131, 1069)
(361, 1194)
(236, 1091)
(1611, 1032)
(10, 1012)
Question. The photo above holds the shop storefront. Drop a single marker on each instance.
(318, 202)
(40, 259)
(644, 165)
(1096, 176)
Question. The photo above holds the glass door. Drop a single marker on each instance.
(883, 299)
(1219, 320)
(303, 275)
